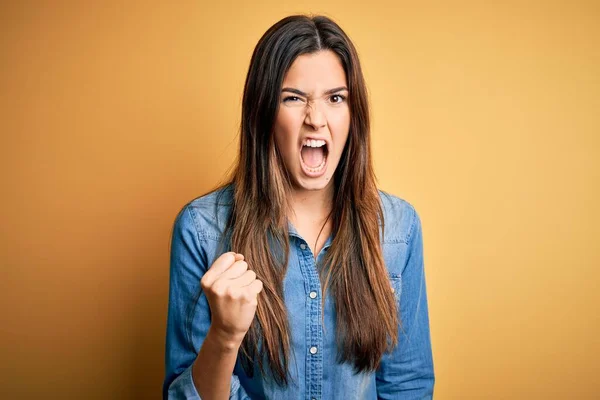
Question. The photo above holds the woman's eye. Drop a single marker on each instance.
(337, 98)
(291, 99)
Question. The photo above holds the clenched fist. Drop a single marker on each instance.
(232, 292)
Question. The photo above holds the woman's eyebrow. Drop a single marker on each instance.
(337, 89)
(301, 93)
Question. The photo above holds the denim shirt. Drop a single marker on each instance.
(404, 373)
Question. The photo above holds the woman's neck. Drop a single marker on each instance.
(311, 206)
(310, 212)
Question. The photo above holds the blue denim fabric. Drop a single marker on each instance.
(405, 373)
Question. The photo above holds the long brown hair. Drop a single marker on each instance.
(353, 269)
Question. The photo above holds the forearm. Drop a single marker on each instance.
(214, 366)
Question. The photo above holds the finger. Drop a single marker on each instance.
(235, 271)
(221, 264)
(255, 287)
(239, 257)
(245, 279)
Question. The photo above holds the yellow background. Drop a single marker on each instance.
(486, 119)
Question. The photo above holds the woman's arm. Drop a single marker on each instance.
(214, 365)
(200, 357)
(407, 373)
(232, 291)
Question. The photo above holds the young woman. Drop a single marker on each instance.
(284, 283)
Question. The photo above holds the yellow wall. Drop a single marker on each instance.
(486, 118)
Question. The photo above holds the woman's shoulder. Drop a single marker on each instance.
(208, 213)
(400, 218)
(214, 201)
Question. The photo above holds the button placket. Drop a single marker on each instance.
(315, 337)
(314, 328)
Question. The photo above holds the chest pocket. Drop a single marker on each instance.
(394, 254)
(396, 283)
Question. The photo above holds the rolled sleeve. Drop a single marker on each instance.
(407, 372)
(183, 388)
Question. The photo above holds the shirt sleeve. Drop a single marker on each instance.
(407, 372)
(188, 317)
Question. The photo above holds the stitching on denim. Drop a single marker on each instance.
(210, 236)
(392, 199)
(412, 225)
(395, 240)
(203, 235)
(189, 210)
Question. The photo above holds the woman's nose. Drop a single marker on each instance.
(315, 117)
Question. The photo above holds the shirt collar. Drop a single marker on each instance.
(293, 232)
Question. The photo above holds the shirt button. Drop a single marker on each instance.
(313, 350)
(303, 246)
(313, 295)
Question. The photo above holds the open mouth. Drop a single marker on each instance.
(314, 156)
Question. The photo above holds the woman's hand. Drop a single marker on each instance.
(232, 293)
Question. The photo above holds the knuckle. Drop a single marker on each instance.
(217, 288)
(225, 258)
(249, 297)
(229, 258)
(232, 293)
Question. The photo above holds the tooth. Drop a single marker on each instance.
(313, 143)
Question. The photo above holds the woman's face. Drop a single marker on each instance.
(313, 121)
